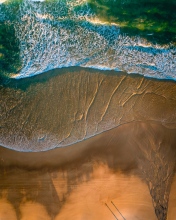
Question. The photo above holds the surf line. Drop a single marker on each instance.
(111, 211)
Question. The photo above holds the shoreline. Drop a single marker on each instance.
(10, 81)
(133, 124)
(48, 110)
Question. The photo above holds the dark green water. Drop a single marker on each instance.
(152, 19)
(9, 49)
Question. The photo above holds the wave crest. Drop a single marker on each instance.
(55, 34)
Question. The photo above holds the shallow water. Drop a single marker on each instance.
(60, 108)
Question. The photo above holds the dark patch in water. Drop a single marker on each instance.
(154, 20)
(9, 50)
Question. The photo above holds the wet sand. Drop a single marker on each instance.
(119, 132)
(66, 106)
(172, 200)
(77, 181)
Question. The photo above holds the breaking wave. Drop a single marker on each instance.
(64, 33)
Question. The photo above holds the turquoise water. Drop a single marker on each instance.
(132, 36)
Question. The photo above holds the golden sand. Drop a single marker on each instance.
(127, 157)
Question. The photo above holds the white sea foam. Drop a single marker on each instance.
(57, 35)
(2, 1)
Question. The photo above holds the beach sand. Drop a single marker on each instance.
(79, 180)
(127, 157)
(66, 106)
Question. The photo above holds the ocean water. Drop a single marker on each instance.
(132, 36)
